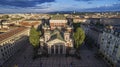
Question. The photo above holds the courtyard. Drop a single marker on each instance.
(23, 58)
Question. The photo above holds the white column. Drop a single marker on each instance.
(64, 50)
(49, 50)
(54, 50)
(58, 49)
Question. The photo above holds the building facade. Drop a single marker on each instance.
(110, 46)
(57, 36)
(11, 42)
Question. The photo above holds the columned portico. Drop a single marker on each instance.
(57, 46)
(57, 49)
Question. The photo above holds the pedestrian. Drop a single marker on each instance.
(41, 64)
(71, 64)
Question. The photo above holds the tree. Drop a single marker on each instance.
(76, 25)
(79, 36)
(34, 40)
(5, 17)
(34, 37)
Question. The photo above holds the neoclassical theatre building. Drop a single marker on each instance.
(57, 35)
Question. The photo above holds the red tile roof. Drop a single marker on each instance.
(28, 23)
(11, 33)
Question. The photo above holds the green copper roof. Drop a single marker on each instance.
(58, 17)
(56, 35)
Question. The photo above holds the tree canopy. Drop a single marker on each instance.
(79, 36)
(34, 37)
(17, 18)
(76, 25)
(5, 17)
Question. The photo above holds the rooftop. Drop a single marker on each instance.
(11, 33)
(114, 32)
(58, 17)
(29, 23)
(56, 34)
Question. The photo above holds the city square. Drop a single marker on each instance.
(59, 33)
(23, 58)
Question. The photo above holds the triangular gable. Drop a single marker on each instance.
(55, 41)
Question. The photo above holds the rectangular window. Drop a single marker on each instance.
(108, 42)
(4, 48)
(1, 50)
(2, 54)
(5, 52)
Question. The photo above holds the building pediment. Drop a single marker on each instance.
(55, 41)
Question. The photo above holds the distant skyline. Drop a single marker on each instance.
(43, 6)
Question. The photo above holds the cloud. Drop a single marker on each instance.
(88, 0)
(23, 10)
(84, 0)
(114, 7)
(54, 5)
(24, 3)
(39, 7)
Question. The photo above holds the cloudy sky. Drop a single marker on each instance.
(58, 5)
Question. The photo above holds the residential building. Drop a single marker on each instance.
(81, 20)
(11, 42)
(110, 46)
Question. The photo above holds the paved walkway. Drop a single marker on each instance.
(23, 59)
